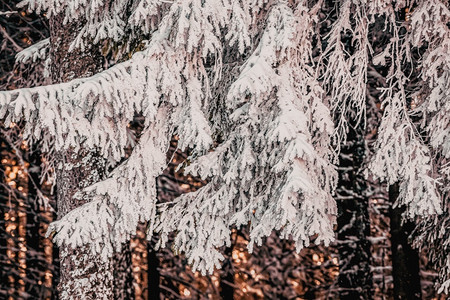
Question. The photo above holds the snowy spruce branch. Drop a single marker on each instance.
(402, 156)
(273, 168)
(36, 52)
(128, 196)
(429, 25)
(345, 74)
(277, 180)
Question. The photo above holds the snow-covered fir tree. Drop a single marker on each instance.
(430, 30)
(251, 88)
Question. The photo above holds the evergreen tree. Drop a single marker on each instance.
(348, 90)
(4, 270)
(430, 26)
(267, 144)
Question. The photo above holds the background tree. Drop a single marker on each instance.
(432, 101)
(22, 196)
(405, 260)
(345, 43)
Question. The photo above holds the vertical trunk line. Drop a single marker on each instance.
(153, 278)
(355, 279)
(405, 259)
(35, 257)
(227, 275)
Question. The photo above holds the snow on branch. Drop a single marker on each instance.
(125, 198)
(274, 167)
(402, 157)
(345, 75)
(401, 154)
(113, 97)
(268, 171)
(172, 91)
(38, 51)
(103, 19)
(429, 26)
(60, 110)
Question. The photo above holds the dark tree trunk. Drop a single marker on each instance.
(56, 269)
(405, 259)
(153, 276)
(355, 279)
(83, 275)
(35, 257)
(227, 276)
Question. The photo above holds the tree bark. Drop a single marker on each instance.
(355, 279)
(83, 274)
(123, 274)
(405, 259)
(35, 257)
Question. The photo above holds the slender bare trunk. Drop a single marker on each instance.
(154, 292)
(405, 259)
(227, 276)
(355, 279)
(35, 256)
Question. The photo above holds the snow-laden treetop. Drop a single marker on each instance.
(254, 73)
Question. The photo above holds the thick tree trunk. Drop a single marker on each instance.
(83, 274)
(355, 280)
(405, 259)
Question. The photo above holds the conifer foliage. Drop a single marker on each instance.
(267, 142)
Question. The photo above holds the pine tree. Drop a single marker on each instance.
(348, 90)
(251, 96)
